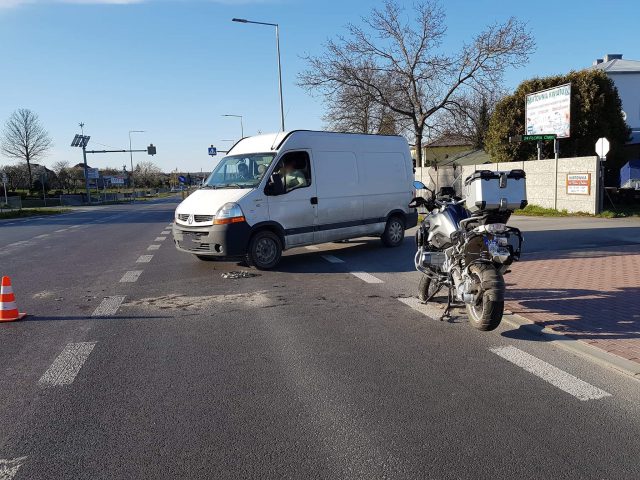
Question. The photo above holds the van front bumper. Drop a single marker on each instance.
(229, 240)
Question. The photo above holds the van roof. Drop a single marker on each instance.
(270, 142)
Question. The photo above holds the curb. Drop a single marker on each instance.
(575, 346)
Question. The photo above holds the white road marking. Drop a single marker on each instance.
(430, 310)
(61, 230)
(165, 232)
(66, 366)
(131, 276)
(108, 306)
(9, 468)
(312, 247)
(367, 277)
(160, 239)
(153, 247)
(332, 259)
(44, 235)
(75, 226)
(144, 258)
(553, 375)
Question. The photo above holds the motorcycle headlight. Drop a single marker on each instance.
(229, 213)
(496, 228)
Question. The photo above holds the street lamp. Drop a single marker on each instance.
(244, 20)
(133, 189)
(241, 126)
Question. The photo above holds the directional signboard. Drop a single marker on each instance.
(93, 173)
(182, 179)
(536, 138)
(213, 151)
(5, 179)
(602, 147)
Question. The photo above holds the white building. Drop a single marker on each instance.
(626, 75)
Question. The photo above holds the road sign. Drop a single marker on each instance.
(181, 179)
(5, 179)
(538, 138)
(116, 181)
(213, 151)
(602, 147)
(93, 173)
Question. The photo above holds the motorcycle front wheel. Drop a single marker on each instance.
(426, 288)
(486, 314)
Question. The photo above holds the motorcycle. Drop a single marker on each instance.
(465, 246)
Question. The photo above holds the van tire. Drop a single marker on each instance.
(394, 232)
(265, 250)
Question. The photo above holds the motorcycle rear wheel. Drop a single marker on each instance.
(486, 315)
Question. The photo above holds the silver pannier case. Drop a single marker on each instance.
(487, 190)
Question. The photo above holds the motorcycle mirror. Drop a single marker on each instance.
(419, 185)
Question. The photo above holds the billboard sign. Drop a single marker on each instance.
(549, 112)
(93, 173)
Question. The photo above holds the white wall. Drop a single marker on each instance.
(546, 185)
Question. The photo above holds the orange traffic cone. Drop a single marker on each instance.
(8, 309)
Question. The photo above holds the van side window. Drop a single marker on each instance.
(295, 170)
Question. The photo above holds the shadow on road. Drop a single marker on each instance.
(580, 314)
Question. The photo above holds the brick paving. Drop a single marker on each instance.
(589, 295)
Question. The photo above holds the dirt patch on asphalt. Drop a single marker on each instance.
(185, 302)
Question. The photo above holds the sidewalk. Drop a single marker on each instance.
(590, 295)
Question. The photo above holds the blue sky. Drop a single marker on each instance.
(173, 68)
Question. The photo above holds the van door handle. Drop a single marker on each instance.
(314, 200)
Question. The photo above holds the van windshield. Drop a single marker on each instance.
(240, 171)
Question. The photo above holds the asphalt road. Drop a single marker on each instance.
(323, 368)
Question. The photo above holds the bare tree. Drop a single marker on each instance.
(395, 61)
(24, 138)
(469, 118)
(148, 174)
(63, 175)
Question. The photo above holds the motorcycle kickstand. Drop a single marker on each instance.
(447, 311)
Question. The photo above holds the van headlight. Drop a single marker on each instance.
(229, 213)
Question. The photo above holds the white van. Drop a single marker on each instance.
(278, 191)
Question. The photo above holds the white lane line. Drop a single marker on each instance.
(165, 232)
(553, 375)
(75, 226)
(367, 277)
(332, 259)
(131, 276)
(61, 230)
(66, 366)
(153, 247)
(160, 239)
(312, 247)
(108, 306)
(44, 235)
(144, 258)
(9, 468)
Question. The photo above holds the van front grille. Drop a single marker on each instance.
(203, 218)
(183, 217)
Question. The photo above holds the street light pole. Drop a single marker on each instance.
(241, 125)
(133, 188)
(244, 20)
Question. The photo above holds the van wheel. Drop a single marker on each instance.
(393, 232)
(265, 250)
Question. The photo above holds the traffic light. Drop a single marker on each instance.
(151, 149)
